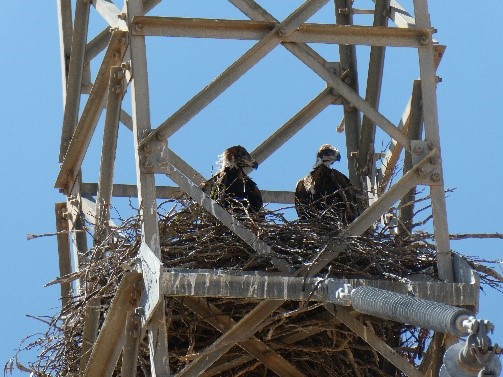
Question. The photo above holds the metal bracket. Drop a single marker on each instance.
(156, 161)
(429, 171)
(335, 69)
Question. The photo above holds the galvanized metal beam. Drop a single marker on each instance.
(232, 73)
(366, 162)
(150, 252)
(65, 262)
(368, 335)
(90, 116)
(97, 44)
(427, 68)
(400, 16)
(65, 39)
(172, 192)
(132, 340)
(414, 132)
(352, 117)
(271, 286)
(256, 30)
(74, 78)
(104, 354)
(116, 90)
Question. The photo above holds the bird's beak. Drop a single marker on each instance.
(255, 165)
(338, 157)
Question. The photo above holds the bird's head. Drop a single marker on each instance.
(327, 155)
(237, 156)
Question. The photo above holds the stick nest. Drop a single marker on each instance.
(303, 333)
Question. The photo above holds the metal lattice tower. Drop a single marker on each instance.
(124, 64)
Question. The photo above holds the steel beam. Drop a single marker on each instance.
(104, 354)
(366, 162)
(400, 16)
(150, 252)
(132, 340)
(74, 78)
(256, 30)
(97, 44)
(171, 192)
(430, 114)
(352, 118)
(90, 116)
(233, 72)
(116, 90)
(65, 263)
(271, 286)
(414, 132)
(65, 39)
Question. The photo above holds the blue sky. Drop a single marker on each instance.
(469, 99)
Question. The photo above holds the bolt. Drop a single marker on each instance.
(421, 173)
(438, 79)
(147, 149)
(344, 11)
(418, 149)
(148, 164)
(138, 28)
(115, 56)
(424, 41)
(161, 136)
(435, 177)
(434, 160)
(281, 32)
(430, 145)
(122, 16)
(126, 65)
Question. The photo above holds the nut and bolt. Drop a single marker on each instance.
(435, 177)
(421, 172)
(418, 149)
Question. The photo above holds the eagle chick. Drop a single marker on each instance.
(231, 185)
(326, 192)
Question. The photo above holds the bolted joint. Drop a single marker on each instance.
(281, 32)
(138, 28)
(421, 172)
(435, 177)
(418, 149)
(424, 41)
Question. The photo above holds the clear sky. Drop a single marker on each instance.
(469, 98)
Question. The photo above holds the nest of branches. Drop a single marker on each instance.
(303, 333)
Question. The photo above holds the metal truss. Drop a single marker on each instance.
(139, 303)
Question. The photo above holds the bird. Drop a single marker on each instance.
(231, 186)
(326, 192)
